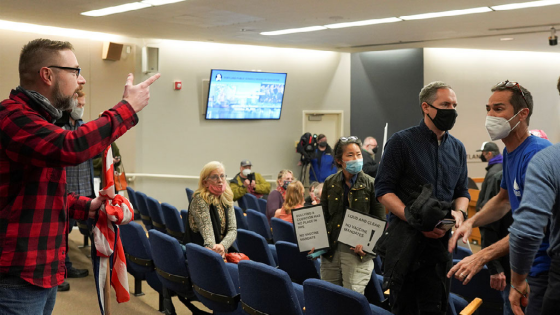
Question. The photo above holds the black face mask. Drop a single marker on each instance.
(323, 144)
(374, 150)
(445, 118)
(483, 158)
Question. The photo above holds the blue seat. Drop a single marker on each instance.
(456, 304)
(141, 198)
(256, 247)
(215, 284)
(461, 252)
(324, 298)
(269, 290)
(262, 205)
(295, 263)
(378, 265)
(240, 218)
(171, 269)
(139, 259)
(242, 203)
(132, 197)
(190, 194)
(374, 292)
(173, 222)
(252, 202)
(186, 226)
(259, 224)
(479, 286)
(154, 208)
(282, 231)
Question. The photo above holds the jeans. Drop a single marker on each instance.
(538, 288)
(18, 297)
(505, 296)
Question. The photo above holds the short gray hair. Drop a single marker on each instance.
(318, 190)
(428, 93)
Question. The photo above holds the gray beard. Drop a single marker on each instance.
(63, 103)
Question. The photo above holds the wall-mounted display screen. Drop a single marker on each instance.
(245, 95)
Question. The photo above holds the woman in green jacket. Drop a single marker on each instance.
(343, 265)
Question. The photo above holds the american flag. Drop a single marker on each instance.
(107, 250)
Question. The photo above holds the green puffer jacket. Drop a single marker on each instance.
(361, 198)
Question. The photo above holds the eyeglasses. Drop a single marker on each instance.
(346, 139)
(215, 178)
(510, 84)
(78, 70)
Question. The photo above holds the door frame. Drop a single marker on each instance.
(340, 119)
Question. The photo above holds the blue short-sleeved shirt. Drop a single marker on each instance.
(513, 180)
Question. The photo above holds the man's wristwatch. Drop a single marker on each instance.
(465, 215)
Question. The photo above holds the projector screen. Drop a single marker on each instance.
(245, 95)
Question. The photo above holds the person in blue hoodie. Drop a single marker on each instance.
(322, 166)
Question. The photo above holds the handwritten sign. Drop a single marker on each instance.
(310, 228)
(360, 229)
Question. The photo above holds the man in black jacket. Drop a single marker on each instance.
(369, 150)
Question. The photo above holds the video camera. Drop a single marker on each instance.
(251, 176)
(306, 146)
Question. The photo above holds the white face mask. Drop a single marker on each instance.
(498, 127)
(246, 172)
(77, 113)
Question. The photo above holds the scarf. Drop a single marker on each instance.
(43, 103)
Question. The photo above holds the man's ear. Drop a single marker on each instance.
(524, 114)
(424, 107)
(46, 76)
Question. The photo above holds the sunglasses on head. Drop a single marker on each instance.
(511, 84)
(346, 139)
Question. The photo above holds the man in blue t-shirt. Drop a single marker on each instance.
(509, 111)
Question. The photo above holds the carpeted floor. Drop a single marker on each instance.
(82, 297)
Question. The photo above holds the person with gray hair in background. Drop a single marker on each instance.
(422, 162)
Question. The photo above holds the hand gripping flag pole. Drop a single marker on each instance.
(109, 262)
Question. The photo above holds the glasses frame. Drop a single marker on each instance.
(511, 84)
(224, 178)
(68, 68)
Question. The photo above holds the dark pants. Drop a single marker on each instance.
(551, 300)
(424, 291)
(538, 286)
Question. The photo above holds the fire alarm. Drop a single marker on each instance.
(177, 85)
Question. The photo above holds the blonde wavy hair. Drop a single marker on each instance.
(226, 199)
(294, 196)
(281, 174)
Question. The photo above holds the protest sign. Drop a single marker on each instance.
(361, 229)
(310, 228)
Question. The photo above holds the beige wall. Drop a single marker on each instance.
(472, 73)
(174, 138)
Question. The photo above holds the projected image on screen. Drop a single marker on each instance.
(245, 95)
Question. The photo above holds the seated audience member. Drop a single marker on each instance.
(294, 200)
(318, 192)
(276, 197)
(212, 221)
(323, 164)
(247, 181)
(309, 199)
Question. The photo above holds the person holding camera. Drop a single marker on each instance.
(247, 181)
(323, 163)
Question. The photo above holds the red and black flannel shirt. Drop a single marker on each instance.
(34, 204)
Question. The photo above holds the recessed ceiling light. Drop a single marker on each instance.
(445, 13)
(504, 39)
(363, 23)
(295, 30)
(117, 9)
(522, 5)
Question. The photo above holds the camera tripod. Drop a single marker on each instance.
(305, 165)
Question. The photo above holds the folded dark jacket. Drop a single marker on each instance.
(426, 211)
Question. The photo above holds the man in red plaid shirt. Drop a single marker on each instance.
(34, 204)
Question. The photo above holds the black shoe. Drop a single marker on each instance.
(76, 273)
(64, 286)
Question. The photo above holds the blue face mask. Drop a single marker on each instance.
(354, 166)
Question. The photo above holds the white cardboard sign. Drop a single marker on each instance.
(361, 229)
(310, 228)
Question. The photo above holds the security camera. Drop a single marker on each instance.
(553, 39)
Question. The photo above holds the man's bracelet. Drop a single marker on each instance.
(522, 294)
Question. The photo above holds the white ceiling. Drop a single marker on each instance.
(241, 21)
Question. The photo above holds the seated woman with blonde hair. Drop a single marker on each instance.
(212, 221)
(294, 200)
